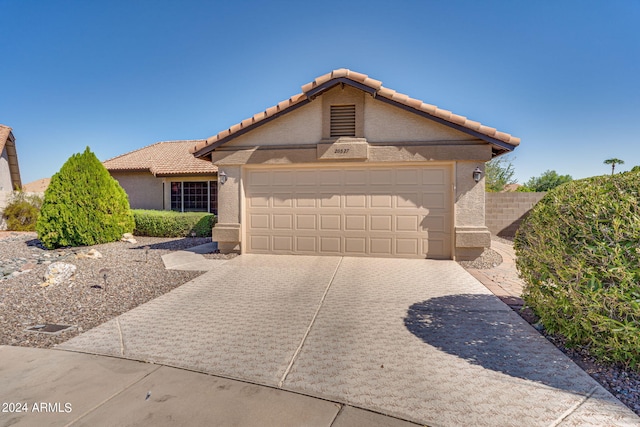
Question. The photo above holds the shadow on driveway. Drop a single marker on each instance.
(484, 332)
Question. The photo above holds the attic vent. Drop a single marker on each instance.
(343, 120)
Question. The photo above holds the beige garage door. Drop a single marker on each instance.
(358, 211)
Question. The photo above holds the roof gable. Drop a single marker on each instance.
(162, 159)
(501, 142)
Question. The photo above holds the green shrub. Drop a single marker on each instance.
(172, 224)
(21, 213)
(579, 254)
(83, 205)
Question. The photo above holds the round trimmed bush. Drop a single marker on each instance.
(579, 253)
(21, 213)
(83, 205)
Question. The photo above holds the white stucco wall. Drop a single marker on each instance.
(5, 173)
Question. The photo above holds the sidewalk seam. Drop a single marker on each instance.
(88, 411)
(573, 408)
(306, 334)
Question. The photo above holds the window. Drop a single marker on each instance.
(343, 120)
(194, 196)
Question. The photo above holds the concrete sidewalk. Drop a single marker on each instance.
(420, 340)
(58, 388)
(191, 259)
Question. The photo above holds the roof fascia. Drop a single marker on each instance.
(318, 90)
(503, 147)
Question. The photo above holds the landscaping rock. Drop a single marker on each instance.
(92, 254)
(128, 237)
(58, 272)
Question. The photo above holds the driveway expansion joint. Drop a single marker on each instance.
(306, 334)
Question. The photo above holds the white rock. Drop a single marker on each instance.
(58, 272)
(128, 237)
(92, 254)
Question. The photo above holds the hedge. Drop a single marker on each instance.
(579, 253)
(172, 224)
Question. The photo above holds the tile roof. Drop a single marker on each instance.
(8, 142)
(503, 142)
(161, 159)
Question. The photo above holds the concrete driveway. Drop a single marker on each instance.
(421, 340)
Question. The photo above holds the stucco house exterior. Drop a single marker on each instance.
(350, 167)
(165, 176)
(9, 169)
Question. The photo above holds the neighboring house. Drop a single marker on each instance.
(165, 176)
(349, 167)
(9, 169)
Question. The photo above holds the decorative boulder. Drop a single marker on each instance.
(58, 272)
(128, 237)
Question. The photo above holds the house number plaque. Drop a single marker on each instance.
(353, 149)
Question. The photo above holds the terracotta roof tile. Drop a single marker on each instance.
(380, 91)
(163, 158)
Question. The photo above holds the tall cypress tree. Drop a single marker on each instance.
(83, 205)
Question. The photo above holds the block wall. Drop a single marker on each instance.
(505, 211)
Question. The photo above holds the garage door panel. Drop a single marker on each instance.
(381, 177)
(350, 210)
(306, 222)
(330, 245)
(306, 244)
(433, 177)
(307, 178)
(380, 245)
(330, 177)
(330, 200)
(407, 223)
(381, 222)
(283, 221)
(258, 243)
(355, 246)
(409, 246)
(408, 200)
(435, 200)
(282, 243)
(259, 221)
(434, 222)
(407, 176)
(259, 200)
(355, 222)
(381, 201)
(355, 201)
(283, 178)
(330, 222)
(306, 200)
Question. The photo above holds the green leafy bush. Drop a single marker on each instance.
(172, 224)
(21, 213)
(579, 254)
(83, 205)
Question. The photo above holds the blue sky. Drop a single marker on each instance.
(118, 75)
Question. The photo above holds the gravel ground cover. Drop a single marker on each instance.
(136, 275)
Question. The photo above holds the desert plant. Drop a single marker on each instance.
(613, 162)
(21, 213)
(578, 252)
(172, 224)
(498, 173)
(545, 182)
(83, 205)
